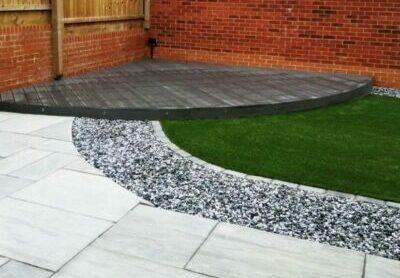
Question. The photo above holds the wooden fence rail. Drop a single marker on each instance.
(80, 9)
(24, 5)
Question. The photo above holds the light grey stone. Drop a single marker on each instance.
(312, 189)
(95, 262)
(10, 185)
(20, 160)
(235, 251)
(392, 204)
(197, 160)
(159, 133)
(341, 194)
(215, 167)
(145, 202)
(57, 146)
(3, 261)
(258, 178)
(161, 136)
(287, 184)
(82, 193)
(235, 173)
(172, 146)
(183, 153)
(157, 235)
(15, 269)
(80, 165)
(26, 123)
(370, 200)
(11, 143)
(156, 126)
(378, 267)
(6, 115)
(43, 236)
(59, 131)
(44, 166)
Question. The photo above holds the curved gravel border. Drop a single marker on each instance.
(130, 153)
(160, 135)
(382, 91)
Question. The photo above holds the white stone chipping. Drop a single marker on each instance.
(132, 154)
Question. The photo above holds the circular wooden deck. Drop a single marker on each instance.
(154, 90)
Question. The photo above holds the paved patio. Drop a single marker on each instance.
(154, 90)
(60, 217)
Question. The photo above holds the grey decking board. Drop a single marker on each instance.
(152, 89)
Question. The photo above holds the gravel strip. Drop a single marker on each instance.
(390, 92)
(130, 153)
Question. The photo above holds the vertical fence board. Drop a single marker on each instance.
(146, 23)
(58, 29)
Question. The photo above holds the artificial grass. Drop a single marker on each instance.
(352, 147)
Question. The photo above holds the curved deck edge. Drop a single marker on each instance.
(190, 113)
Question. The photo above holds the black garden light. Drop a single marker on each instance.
(152, 42)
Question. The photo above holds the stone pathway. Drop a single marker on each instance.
(61, 218)
(138, 156)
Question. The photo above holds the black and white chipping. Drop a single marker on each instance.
(382, 91)
(129, 153)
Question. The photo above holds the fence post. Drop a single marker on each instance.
(146, 23)
(57, 16)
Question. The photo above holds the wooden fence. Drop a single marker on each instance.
(24, 5)
(79, 11)
(89, 10)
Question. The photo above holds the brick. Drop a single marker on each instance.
(26, 54)
(361, 37)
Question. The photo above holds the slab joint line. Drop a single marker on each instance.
(201, 245)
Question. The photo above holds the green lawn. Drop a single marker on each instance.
(352, 147)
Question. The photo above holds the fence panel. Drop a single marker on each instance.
(17, 5)
(71, 12)
(94, 10)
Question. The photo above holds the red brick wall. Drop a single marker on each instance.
(26, 52)
(86, 52)
(25, 55)
(353, 36)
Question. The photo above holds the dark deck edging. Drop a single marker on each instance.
(190, 113)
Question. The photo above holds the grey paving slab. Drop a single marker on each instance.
(43, 167)
(11, 143)
(392, 204)
(5, 116)
(370, 200)
(234, 251)
(43, 236)
(10, 185)
(157, 235)
(21, 159)
(25, 123)
(3, 261)
(59, 131)
(58, 146)
(378, 267)
(82, 193)
(14, 269)
(95, 262)
(153, 89)
(80, 165)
